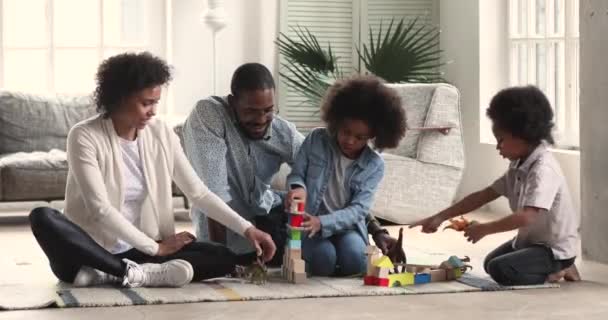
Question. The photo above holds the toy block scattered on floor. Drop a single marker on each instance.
(293, 266)
(379, 271)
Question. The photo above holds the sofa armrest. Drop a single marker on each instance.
(443, 142)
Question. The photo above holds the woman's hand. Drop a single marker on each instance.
(174, 243)
(311, 224)
(262, 242)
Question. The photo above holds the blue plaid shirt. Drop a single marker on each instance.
(238, 169)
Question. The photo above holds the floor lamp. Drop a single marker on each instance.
(215, 18)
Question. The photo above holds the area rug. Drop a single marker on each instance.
(16, 294)
(276, 288)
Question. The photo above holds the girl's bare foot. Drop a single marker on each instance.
(572, 273)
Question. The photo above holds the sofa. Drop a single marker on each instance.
(33, 163)
(423, 173)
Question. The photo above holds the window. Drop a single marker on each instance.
(55, 46)
(544, 46)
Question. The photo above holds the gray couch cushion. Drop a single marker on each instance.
(39, 123)
(33, 175)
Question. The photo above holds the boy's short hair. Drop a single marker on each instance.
(524, 112)
(366, 98)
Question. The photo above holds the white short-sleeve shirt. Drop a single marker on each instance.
(539, 182)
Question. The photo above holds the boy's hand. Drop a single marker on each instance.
(311, 224)
(296, 193)
(429, 225)
(476, 231)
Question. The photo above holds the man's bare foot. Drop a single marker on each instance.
(571, 273)
(556, 276)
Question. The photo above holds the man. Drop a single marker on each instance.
(236, 144)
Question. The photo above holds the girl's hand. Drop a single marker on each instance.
(296, 193)
(311, 224)
(476, 231)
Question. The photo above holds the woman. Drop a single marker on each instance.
(119, 225)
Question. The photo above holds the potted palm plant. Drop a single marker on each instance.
(404, 52)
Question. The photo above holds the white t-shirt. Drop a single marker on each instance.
(539, 182)
(337, 195)
(135, 190)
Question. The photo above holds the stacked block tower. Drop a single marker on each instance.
(293, 265)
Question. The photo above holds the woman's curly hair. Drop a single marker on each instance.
(122, 75)
(368, 99)
(524, 112)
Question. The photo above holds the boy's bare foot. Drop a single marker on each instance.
(556, 276)
(572, 273)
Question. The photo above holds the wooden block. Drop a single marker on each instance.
(411, 268)
(295, 244)
(295, 235)
(382, 282)
(298, 277)
(295, 253)
(375, 272)
(369, 280)
(383, 273)
(438, 275)
(299, 265)
(422, 278)
(295, 220)
(449, 274)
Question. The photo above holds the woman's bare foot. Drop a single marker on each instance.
(556, 276)
(572, 274)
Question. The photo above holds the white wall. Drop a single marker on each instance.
(474, 40)
(594, 114)
(249, 37)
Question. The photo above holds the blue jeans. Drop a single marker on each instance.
(339, 255)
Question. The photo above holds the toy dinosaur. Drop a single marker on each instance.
(256, 272)
(396, 253)
(459, 224)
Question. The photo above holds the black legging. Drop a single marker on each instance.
(68, 248)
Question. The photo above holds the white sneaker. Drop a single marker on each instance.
(88, 276)
(174, 273)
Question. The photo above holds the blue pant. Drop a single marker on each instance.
(338, 255)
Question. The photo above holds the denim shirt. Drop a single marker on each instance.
(312, 170)
(237, 169)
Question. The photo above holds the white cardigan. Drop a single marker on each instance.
(94, 193)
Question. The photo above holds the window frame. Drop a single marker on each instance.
(566, 86)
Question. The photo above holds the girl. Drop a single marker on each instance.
(337, 172)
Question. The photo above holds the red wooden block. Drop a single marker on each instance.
(300, 206)
(382, 282)
(369, 280)
(296, 220)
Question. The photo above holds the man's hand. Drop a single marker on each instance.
(262, 242)
(311, 224)
(174, 243)
(296, 193)
(430, 224)
(476, 231)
